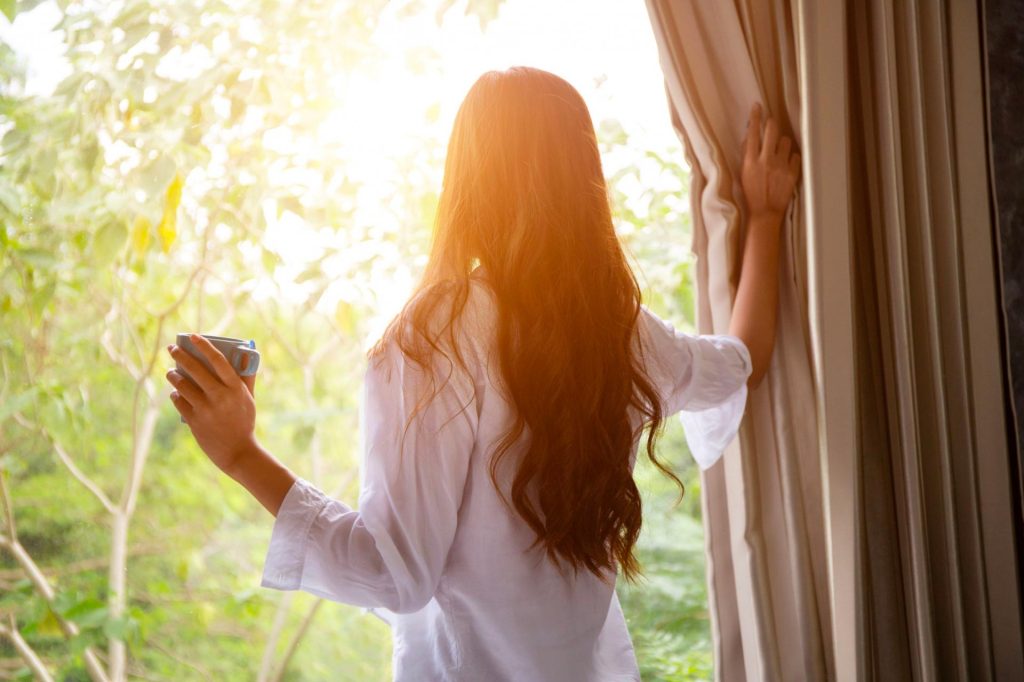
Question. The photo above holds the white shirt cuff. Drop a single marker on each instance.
(286, 553)
(710, 431)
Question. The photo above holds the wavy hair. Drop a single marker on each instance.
(524, 197)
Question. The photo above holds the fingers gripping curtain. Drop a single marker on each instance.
(762, 503)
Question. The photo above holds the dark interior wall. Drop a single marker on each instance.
(1004, 42)
(1004, 27)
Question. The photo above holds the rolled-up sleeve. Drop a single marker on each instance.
(703, 378)
(391, 552)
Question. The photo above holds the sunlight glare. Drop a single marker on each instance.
(606, 50)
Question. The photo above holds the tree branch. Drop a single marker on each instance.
(227, 318)
(293, 645)
(9, 541)
(10, 631)
(83, 479)
(42, 585)
(321, 354)
(268, 670)
(7, 376)
(107, 344)
(169, 310)
(185, 662)
(267, 667)
(293, 353)
(69, 463)
(8, 507)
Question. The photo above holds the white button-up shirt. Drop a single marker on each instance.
(433, 549)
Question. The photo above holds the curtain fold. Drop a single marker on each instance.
(859, 526)
(935, 474)
(765, 541)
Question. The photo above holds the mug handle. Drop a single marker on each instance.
(254, 360)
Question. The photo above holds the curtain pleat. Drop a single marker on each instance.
(922, 502)
(765, 545)
(862, 514)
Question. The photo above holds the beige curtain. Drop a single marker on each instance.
(767, 564)
(939, 571)
(858, 528)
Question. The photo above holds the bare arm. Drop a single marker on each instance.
(263, 475)
(769, 177)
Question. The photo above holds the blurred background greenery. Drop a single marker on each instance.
(266, 170)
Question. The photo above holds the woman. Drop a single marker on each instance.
(503, 407)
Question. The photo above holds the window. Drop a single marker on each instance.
(272, 169)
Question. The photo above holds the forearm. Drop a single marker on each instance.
(259, 472)
(755, 308)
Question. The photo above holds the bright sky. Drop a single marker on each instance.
(605, 48)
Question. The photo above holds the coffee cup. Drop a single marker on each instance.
(233, 349)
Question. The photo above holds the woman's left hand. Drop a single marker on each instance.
(219, 407)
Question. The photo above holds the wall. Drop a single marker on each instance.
(1004, 36)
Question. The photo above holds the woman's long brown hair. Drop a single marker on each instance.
(524, 196)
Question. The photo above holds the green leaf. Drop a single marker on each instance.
(9, 8)
(136, 33)
(90, 612)
(345, 316)
(108, 241)
(314, 271)
(611, 132)
(15, 140)
(289, 203)
(42, 296)
(45, 162)
(155, 176)
(64, 600)
(9, 463)
(134, 14)
(89, 637)
(270, 260)
(70, 86)
(168, 227)
(485, 11)
(141, 235)
(49, 625)
(38, 258)
(9, 198)
(90, 151)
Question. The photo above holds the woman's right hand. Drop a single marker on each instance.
(770, 171)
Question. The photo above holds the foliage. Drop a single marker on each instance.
(667, 611)
(138, 200)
